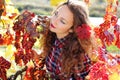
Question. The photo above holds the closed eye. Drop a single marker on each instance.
(62, 21)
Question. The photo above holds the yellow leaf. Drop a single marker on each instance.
(8, 1)
(114, 76)
(10, 51)
(56, 2)
(111, 1)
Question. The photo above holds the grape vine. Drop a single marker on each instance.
(28, 27)
(107, 65)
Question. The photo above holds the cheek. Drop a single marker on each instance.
(63, 29)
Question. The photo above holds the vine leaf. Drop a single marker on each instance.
(4, 65)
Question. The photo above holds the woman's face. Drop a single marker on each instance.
(61, 21)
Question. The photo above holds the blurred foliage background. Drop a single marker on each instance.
(43, 7)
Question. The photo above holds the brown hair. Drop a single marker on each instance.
(73, 52)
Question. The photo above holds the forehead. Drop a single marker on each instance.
(65, 12)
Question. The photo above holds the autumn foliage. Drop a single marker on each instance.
(107, 66)
(24, 32)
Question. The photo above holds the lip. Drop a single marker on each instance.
(52, 25)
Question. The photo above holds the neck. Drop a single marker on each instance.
(60, 36)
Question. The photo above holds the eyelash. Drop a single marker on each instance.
(62, 22)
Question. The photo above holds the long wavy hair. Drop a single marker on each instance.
(74, 51)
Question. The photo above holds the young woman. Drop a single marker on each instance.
(68, 42)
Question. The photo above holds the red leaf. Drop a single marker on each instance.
(83, 32)
(29, 74)
(117, 43)
(98, 71)
(114, 20)
(117, 34)
(108, 37)
(4, 64)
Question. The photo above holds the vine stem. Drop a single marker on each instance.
(13, 77)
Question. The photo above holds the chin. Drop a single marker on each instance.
(52, 30)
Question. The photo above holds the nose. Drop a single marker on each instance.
(54, 20)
